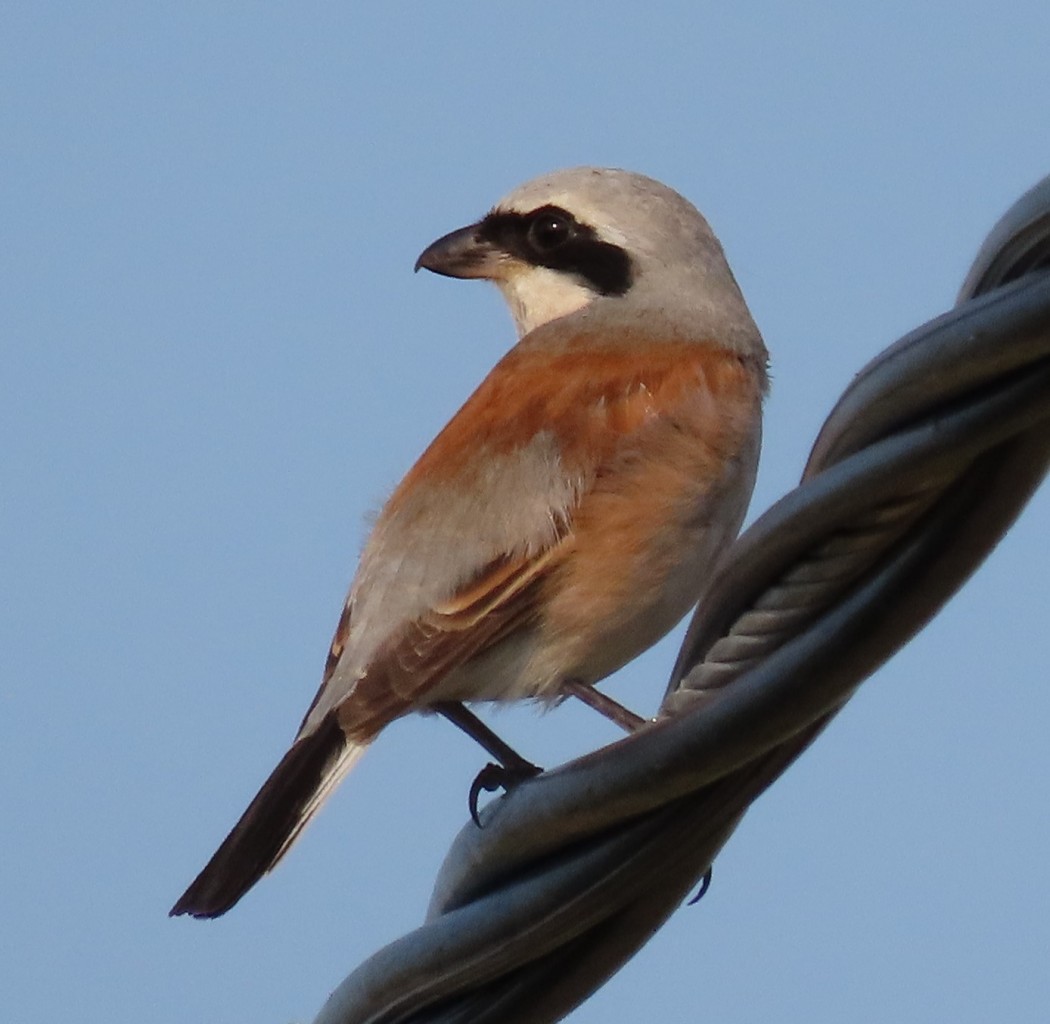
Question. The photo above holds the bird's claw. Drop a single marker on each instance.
(705, 884)
(498, 776)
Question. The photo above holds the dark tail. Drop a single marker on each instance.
(287, 801)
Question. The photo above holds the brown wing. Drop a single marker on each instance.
(594, 398)
(499, 601)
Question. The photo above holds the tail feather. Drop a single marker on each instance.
(288, 799)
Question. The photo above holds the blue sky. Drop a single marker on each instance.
(215, 361)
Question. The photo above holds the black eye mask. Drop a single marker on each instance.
(552, 237)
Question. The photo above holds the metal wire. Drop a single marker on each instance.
(919, 470)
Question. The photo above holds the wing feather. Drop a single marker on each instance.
(500, 488)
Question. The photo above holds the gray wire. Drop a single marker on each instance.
(919, 470)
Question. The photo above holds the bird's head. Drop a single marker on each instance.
(595, 237)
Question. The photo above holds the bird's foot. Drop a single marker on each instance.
(499, 776)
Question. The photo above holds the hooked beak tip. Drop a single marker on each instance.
(459, 254)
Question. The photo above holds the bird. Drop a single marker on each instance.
(568, 515)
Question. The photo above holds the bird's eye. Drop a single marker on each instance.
(549, 231)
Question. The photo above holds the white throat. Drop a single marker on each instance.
(537, 295)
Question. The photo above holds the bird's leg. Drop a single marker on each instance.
(512, 767)
(478, 731)
(615, 712)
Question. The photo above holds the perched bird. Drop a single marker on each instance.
(567, 516)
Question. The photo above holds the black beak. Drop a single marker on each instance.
(461, 253)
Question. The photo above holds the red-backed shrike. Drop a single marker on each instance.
(568, 515)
